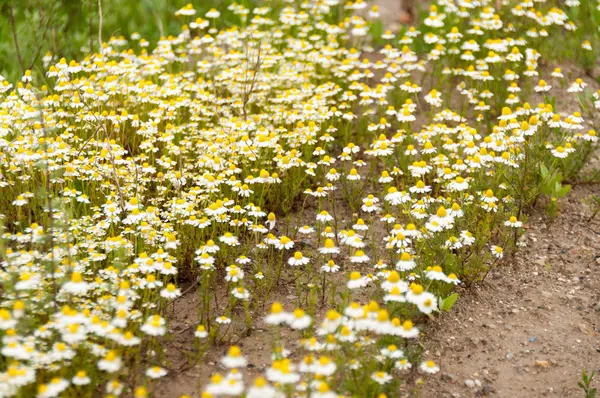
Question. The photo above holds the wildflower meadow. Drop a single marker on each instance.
(291, 168)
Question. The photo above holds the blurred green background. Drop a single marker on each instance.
(68, 28)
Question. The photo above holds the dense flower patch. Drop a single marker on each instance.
(283, 150)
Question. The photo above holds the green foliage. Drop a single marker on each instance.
(70, 28)
(551, 186)
(586, 384)
(376, 31)
(551, 183)
(594, 201)
(447, 303)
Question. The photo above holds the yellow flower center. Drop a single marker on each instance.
(416, 289)
(276, 308)
(355, 275)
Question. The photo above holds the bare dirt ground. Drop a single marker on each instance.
(534, 324)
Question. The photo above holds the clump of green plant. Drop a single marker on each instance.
(594, 202)
(586, 384)
(553, 188)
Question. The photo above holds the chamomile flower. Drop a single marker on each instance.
(240, 293)
(359, 257)
(406, 262)
(497, 251)
(299, 320)
(557, 73)
(298, 259)
(542, 86)
(329, 247)
(394, 197)
(324, 217)
(429, 367)
(577, 86)
(330, 324)
(229, 239)
(154, 326)
(559, 152)
(381, 377)
(330, 267)
(81, 378)
(261, 389)
(458, 184)
(513, 222)
(434, 99)
(188, 10)
(284, 243)
(201, 332)
(394, 281)
(234, 273)
(324, 366)
(282, 372)
(420, 187)
(223, 320)
(425, 301)
(467, 238)
(110, 363)
(76, 286)
(170, 292)
(209, 151)
(156, 372)
(212, 14)
(234, 358)
(360, 225)
(306, 229)
(277, 315)
(402, 364)
(590, 136)
(392, 351)
(322, 390)
(356, 281)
